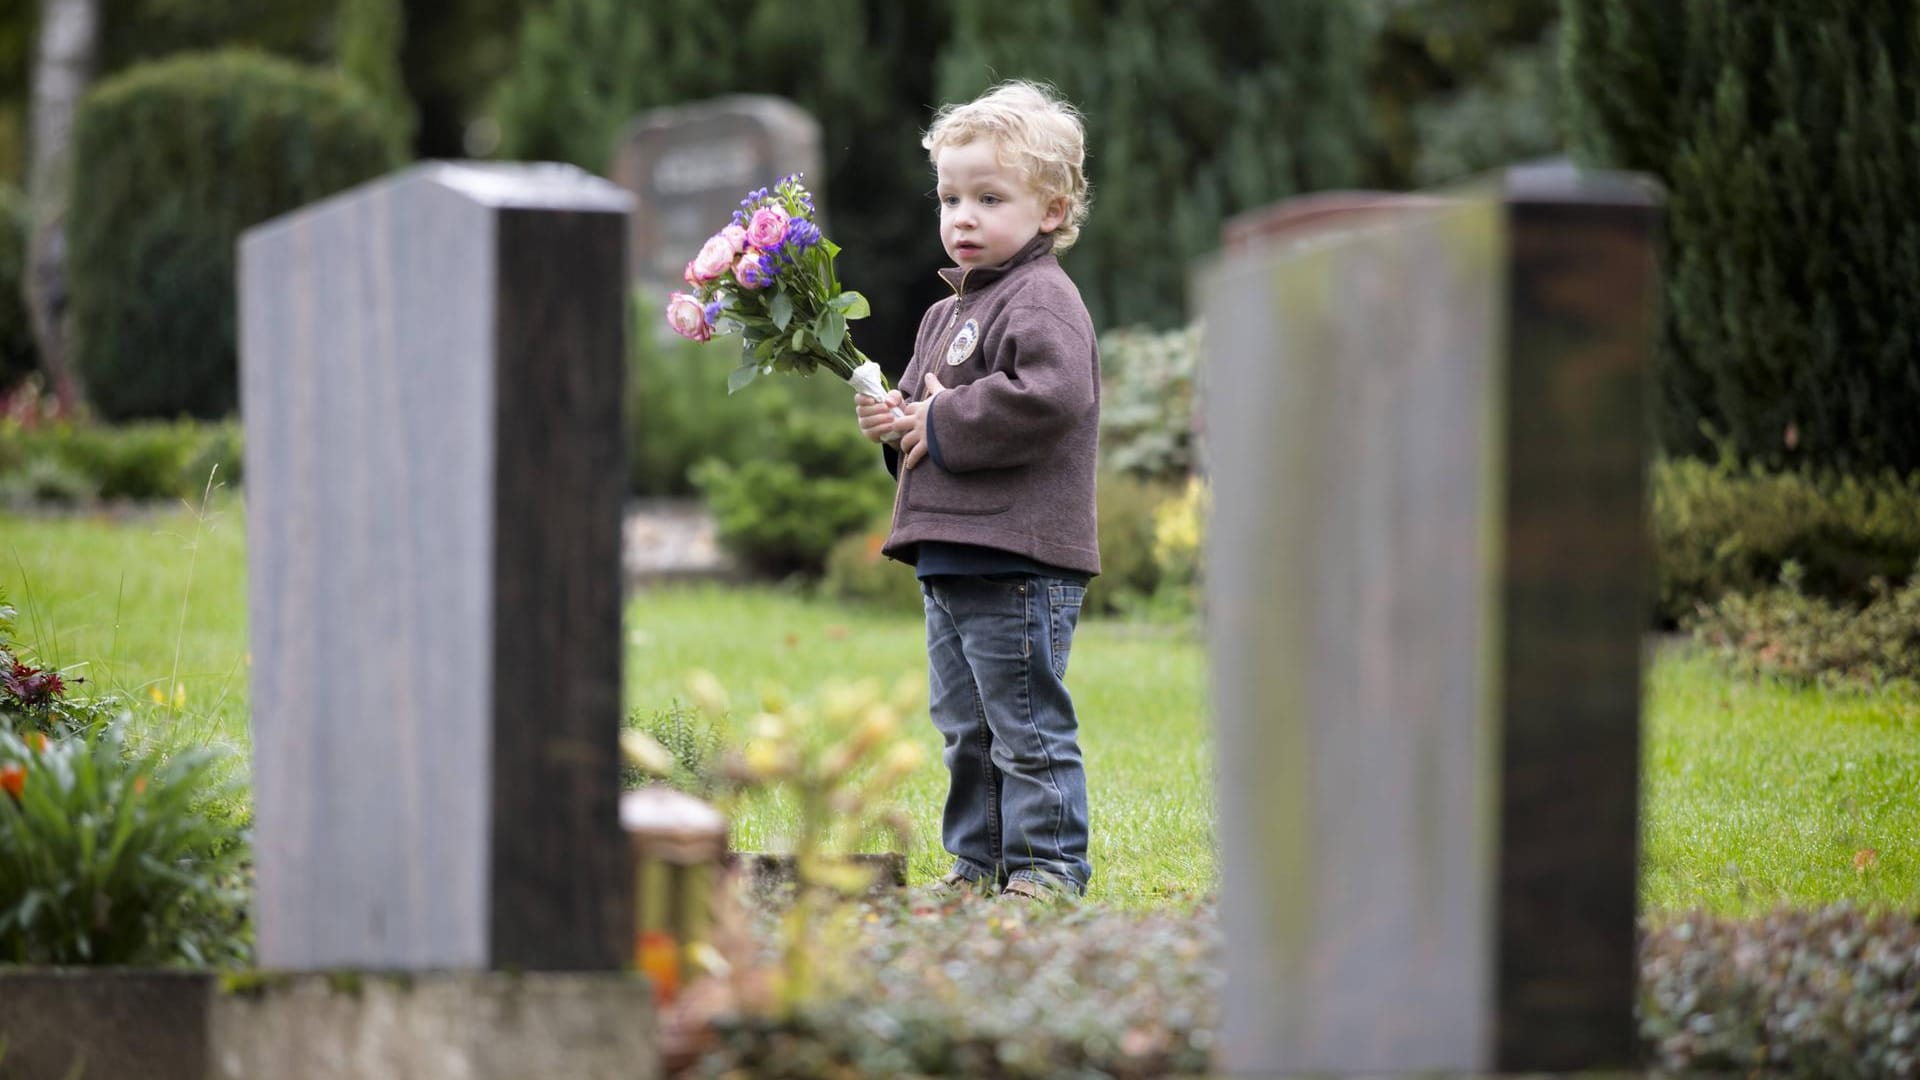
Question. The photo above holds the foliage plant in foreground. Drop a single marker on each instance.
(837, 758)
(109, 855)
(689, 743)
(33, 699)
(1833, 992)
(981, 991)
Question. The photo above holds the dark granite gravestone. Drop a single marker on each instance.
(1427, 589)
(688, 166)
(431, 370)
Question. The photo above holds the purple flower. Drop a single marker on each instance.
(712, 312)
(802, 234)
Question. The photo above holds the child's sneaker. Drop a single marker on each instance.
(954, 886)
(1026, 891)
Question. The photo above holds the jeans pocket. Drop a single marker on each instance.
(1063, 612)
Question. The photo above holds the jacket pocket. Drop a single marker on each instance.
(933, 489)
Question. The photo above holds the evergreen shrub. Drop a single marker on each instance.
(172, 160)
(586, 68)
(680, 414)
(1720, 528)
(782, 511)
(1787, 135)
(1194, 112)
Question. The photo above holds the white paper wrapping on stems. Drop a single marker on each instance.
(867, 380)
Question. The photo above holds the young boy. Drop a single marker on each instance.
(995, 503)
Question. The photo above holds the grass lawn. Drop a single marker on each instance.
(1756, 793)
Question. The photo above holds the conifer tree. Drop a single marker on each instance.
(1787, 133)
(1194, 112)
(861, 67)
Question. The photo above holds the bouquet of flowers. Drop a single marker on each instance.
(769, 277)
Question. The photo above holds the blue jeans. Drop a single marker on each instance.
(996, 657)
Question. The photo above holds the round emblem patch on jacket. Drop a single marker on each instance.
(963, 342)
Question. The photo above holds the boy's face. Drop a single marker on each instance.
(987, 211)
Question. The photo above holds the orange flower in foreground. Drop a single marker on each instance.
(13, 778)
(659, 957)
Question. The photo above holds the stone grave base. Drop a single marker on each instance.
(160, 1025)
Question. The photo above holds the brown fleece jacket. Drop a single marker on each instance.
(1014, 440)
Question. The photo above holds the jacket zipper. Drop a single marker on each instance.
(959, 291)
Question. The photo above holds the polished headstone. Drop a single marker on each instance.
(431, 370)
(1426, 588)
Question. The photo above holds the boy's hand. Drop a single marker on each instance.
(913, 433)
(876, 417)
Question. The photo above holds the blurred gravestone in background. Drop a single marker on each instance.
(689, 166)
(1427, 588)
(432, 367)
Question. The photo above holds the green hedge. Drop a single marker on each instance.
(1719, 528)
(1787, 134)
(172, 160)
(152, 460)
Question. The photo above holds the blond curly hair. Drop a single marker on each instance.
(1034, 130)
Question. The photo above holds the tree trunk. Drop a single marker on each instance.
(62, 68)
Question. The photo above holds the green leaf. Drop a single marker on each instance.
(781, 310)
(832, 329)
(852, 305)
(741, 376)
(799, 339)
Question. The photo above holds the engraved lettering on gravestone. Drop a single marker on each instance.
(699, 168)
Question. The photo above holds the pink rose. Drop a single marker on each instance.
(768, 228)
(687, 318)
(736, 236)
(753, 271)
(714, 258)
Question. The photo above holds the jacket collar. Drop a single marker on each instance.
(980, 276)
